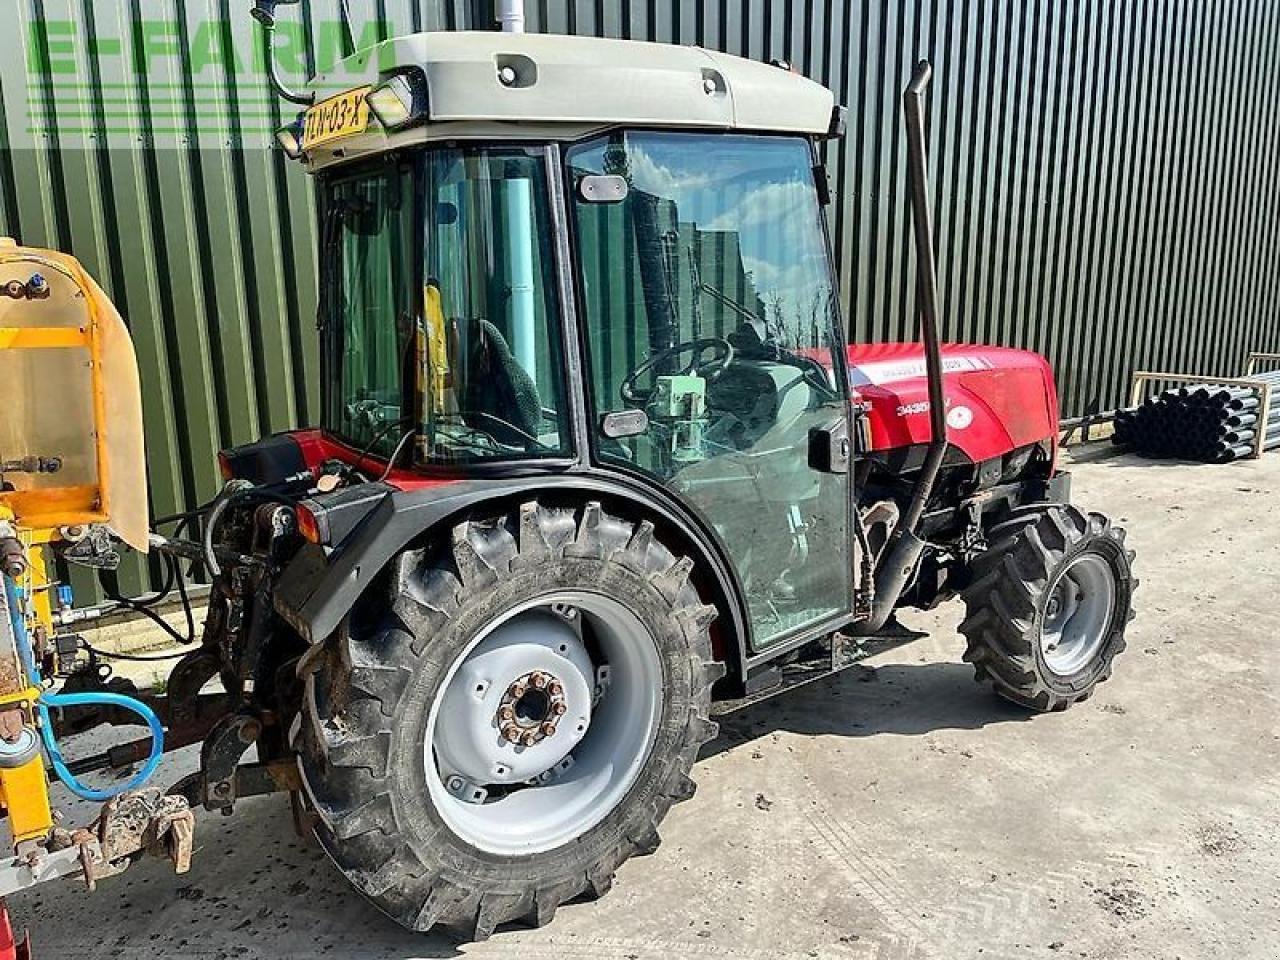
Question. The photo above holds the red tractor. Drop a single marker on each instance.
(595, 463)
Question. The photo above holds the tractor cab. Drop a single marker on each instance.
(560, 254)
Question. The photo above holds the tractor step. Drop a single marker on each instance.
(815, 661)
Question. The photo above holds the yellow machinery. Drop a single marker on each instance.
(59, 337)
(59, 334)
(71, 384)
(72, 476)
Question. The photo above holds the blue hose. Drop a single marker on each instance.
(21, 642)
(55, 700)
(48, 700)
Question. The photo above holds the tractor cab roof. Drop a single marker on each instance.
(490, 85)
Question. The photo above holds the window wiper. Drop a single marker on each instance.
(813, 371)
(720, 297)
(695, 274)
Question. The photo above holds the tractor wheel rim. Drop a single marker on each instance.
(1078, 614)
(513, 767)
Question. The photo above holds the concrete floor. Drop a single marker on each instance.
(895, 811)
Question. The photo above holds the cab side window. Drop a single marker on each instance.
(708, 303)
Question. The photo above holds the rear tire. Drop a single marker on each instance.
(1048, 605)
(373, 732)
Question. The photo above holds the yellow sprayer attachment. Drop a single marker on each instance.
(71, 450)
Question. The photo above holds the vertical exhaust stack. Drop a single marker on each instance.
(904, 548)
(926, 290)
(518, 200)
(510, 15)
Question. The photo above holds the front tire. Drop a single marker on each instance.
(469, 761)
(1048, 605)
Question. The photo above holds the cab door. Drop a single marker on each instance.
(709, 307)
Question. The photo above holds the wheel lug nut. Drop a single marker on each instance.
(507, 714)
(556, 689)
(530, 739)
(538, 681)
(517, 690)
(559, 709)
(548, 728)
(511, 733)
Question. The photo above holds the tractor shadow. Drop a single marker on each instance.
(256, 890)
(1106, 454)
(865, 701)
(1099, 451)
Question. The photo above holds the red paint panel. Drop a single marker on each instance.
(998, 399)
(317, 447)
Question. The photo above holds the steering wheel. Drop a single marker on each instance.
(709, 369)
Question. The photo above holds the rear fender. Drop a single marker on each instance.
(315, 592)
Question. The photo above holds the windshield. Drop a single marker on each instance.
(440, 309)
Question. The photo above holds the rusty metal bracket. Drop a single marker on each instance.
(220, 759)
(23, 872)
(145, 821)
(247, 780)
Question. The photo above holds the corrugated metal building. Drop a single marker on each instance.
(1099, 189)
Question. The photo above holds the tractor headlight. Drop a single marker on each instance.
(399, 101)
(290, 138)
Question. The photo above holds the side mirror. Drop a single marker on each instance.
(829, 447)
(624, 423)
(264, 11)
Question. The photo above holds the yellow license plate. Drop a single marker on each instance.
(341, 116)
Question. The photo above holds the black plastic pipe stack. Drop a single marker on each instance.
(1209, 422)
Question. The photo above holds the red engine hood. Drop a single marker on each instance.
(998, 399)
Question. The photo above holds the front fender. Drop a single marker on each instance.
(315, 592)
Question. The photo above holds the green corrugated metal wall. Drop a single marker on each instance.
(1099, 189)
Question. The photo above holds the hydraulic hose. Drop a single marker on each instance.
(48, 699)
(56, 700)
(229, 492)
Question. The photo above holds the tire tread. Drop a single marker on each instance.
(1004, 596)
(346, 776)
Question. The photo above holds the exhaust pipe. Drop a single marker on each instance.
(511, 16)
(902, 553)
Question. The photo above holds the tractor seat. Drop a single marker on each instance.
(500, 394)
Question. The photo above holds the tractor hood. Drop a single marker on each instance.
(998, 399)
